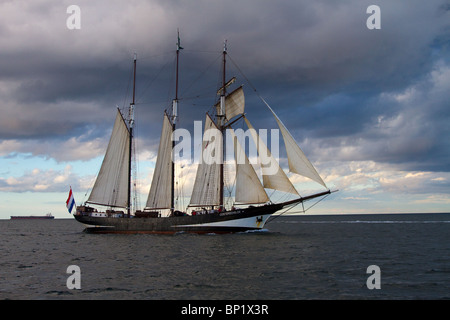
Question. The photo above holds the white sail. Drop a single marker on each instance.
(206, 191)
(273, 176)
(234, 104)
(111, 186)
(160, 194)
(249, 189)
(298, 162)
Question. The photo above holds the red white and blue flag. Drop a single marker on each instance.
(70, 203)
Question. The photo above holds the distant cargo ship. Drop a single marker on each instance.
(47, 216)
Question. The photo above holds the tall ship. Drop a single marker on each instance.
(208, 211)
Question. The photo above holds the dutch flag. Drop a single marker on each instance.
(70, 203)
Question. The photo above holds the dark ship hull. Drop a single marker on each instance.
(238, 220)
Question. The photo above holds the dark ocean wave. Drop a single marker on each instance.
(295, 257)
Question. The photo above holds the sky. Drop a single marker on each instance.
(369, 107)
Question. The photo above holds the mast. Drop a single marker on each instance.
(131, 124)
(174, 120)
(221, 121)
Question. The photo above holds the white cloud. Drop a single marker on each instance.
(39, 181)
(73, 149)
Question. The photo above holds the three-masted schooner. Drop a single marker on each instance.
(113, 185)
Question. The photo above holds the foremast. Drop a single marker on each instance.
(113, 185)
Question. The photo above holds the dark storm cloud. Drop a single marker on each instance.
(330, 78)
(405, 127)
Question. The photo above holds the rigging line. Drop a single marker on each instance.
(243, 75)
(189, 167)
(232, 181)
(151, 82)
(304, 210)
(204, 92)
(155, 55)
(130, 77)
(318, 201)
(204, 51)
(183, 180)
(136, 162)
(199, 76)
(251, 85)
(171, 83)
(273, 217)
(294, 205)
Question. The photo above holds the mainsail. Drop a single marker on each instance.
(160, 194)
(111, 186)
(206, 191)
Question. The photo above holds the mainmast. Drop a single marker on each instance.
(131, 125)
(174, 120)
(221, 120)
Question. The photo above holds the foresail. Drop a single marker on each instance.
(249, 189)
(273, 176)
(160, 194)
(298, 162)
(111, 186)
(206, 191)
(234, 104)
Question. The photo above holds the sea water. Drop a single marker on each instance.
(295, 257)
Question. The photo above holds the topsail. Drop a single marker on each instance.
(234, 104)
